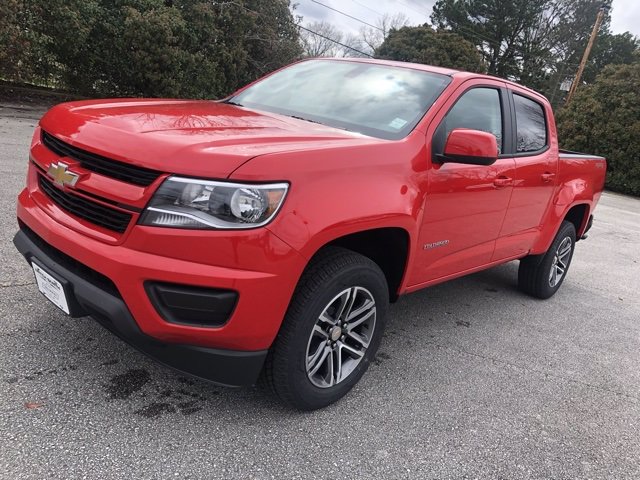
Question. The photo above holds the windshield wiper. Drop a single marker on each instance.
(229, 102)
(320, 123)
(305, 119)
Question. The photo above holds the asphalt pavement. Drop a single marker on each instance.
(473, 380)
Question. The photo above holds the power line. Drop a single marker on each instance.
(301, 27)
(471, 33)
(347, 15)
(368, 8)
(329, 38)
(476, 35)
(335, 41)
(414, 9)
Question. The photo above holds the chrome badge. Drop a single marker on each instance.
(61, 175)
(441, 243)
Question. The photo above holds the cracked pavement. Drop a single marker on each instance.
(473, 380)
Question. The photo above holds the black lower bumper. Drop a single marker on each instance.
(91, 293)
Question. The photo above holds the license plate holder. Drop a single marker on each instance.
(51, 287)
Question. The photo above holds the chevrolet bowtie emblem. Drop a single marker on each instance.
(61, 176)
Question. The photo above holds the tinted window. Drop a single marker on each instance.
(478, 109)
(531, 127)
(375, 100)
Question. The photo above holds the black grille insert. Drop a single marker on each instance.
(99, 164)
(106, 217)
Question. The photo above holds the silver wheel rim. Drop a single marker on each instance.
(340, 337)
(560, 262)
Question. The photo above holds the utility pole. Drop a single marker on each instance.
(594, 33)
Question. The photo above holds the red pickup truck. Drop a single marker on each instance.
(268, 232)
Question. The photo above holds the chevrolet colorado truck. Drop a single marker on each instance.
(265, 234)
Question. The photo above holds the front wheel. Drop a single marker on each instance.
(331, 332)
(542, 275)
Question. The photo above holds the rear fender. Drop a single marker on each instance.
(571, 194)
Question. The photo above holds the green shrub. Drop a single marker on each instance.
(160, 48)
(604, 119)
(425, 45)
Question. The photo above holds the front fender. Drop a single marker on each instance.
(339, 191)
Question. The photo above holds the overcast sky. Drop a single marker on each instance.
(625, 13)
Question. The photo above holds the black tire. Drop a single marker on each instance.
(535, 272)
(329, 274)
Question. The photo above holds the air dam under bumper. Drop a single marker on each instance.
(90, 297)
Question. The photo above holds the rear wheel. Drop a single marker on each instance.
(331, 332)
(542, 275)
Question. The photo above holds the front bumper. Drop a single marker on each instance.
(92, 295)
(110, 282)
(257, 265)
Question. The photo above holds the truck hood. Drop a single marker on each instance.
(203, 138)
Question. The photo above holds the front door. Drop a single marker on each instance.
(465, 204)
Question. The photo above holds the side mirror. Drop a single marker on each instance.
(472, 147)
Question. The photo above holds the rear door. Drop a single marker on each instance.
(536, 162)
(465, 204)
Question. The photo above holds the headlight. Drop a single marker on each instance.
(193, 203)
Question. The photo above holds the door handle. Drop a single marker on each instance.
(503, 181)
(548, 177)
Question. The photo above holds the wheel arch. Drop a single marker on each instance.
(578, 215)
(388, 247)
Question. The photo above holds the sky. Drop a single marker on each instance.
(625, 14)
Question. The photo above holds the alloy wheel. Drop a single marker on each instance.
(560, 261)
(340, 337)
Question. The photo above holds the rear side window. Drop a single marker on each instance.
(531, 126)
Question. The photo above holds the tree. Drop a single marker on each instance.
(425, 45)
(535, 48)
(24, 55)
(610, 50)
(355, 47)
(13, 40)
(604, 118)
(494, 26)
(536, 42)
(574, 28)
(321, 40)
(569, 40)
(186, 48)
(372, 37)
(273, 39)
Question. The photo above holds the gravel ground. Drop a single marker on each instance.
(473, 380)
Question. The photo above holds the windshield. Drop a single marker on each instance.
(375, 100)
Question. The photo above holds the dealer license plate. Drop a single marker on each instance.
(51, 288)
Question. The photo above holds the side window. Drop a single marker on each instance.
(478, 109)
(531, 126)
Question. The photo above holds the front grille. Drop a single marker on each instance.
(106, 217)
(99, 164)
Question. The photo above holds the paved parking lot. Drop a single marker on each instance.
(473, 380)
